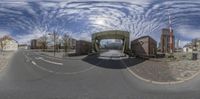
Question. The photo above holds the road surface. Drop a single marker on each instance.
(112, 53)
(34, 76)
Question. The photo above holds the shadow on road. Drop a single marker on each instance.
(112, 63)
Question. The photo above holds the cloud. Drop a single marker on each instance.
(26, 38)
(182, 43)
(139, 17)
(82, 36)
(141, 2)
(3, 33)
(188, 32)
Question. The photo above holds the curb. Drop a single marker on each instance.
(157, 82)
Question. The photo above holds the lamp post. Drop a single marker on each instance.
(54, 41)
(194, 52)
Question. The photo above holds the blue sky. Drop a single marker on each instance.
(25, 19)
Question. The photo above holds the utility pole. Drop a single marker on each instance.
(170, 35)
(194, 52)
(54, 38)
(54, 42)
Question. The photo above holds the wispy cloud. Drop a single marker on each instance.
(182, 43)
(3, 33)
(27, 37)
(188, 32)
(139, 17)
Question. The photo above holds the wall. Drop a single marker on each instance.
(144, 46)
(140, 46)
(34, 44)
(187, 49)
(83, 47)
(10, 45)
(152, 47)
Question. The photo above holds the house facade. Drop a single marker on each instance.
(8, 44)
(144, 46)
(188, 48)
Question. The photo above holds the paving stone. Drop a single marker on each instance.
(164, 70)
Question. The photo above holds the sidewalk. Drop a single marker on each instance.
(4, 59)
(152, 70)
(161, 70)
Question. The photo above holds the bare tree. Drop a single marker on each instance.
(55, 39)
(44, 41)
(65, 39)
(3, 41)
(2, 44)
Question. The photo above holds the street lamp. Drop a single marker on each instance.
(54, 36)
(194, 52)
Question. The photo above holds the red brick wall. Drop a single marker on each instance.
(144, 46)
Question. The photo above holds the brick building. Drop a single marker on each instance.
(165, 41)
(36, 44)
(83, 47)
(33, 44)
(144, 46)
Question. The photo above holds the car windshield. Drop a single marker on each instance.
(99, 49)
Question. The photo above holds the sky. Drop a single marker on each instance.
(28, 19)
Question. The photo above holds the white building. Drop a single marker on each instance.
(8, 44)
(188, 48)
(23, 46)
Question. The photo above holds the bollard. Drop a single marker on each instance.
(194, 56)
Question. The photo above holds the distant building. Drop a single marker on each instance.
(144, 46)
(36, 44)
(83, 47)
(8, 44)
(33, 44)
(118, 40)
(188, 48)
(196, 44)
(72, 43)
(177, 43)
(23, 46)
(114, 45)
(165, 41)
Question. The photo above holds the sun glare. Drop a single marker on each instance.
(100, 21)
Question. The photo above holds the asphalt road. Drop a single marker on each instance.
(115, 53)
(34, 76)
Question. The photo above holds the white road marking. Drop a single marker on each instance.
(33, 63)
(42, 68)
(51, 57)
(65, 73)
(40, 58)
(27, 58)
